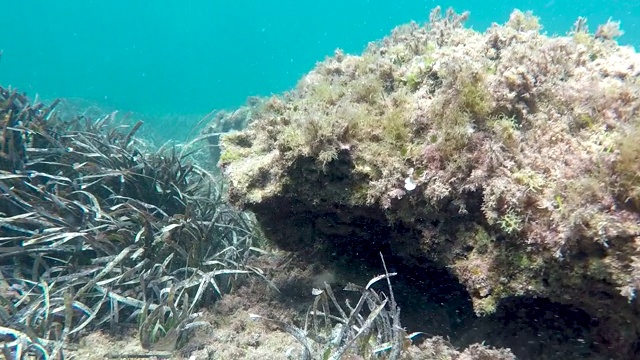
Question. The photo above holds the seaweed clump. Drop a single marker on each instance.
(506, 157)
(99, 231)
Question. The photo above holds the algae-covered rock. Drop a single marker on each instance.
(225, 121)
(509, 157)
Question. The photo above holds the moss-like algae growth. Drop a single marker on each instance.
(628, 166)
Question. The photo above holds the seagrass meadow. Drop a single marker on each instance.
(97, 230)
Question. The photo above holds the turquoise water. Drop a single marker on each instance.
(178, 60)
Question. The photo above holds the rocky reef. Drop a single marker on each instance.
(508, 158)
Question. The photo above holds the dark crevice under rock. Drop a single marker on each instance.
(431, 299)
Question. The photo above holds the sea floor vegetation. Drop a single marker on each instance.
(97, 229)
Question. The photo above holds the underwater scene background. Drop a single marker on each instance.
(172, 62)
(482, 170)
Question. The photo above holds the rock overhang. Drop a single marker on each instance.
(503, 157)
